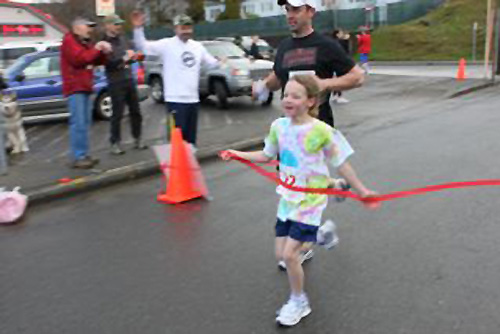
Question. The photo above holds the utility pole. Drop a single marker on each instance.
(489, 36)
(474, 41)
(332, 6)
(497, 41)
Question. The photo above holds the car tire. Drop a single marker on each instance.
(103, 106)
(156, 92)
(269, 100)
(221, 93)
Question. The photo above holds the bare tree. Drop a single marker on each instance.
(196, 10)
(65, 12)
(163, 11)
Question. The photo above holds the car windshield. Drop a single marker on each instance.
(264, 48)
(9, 56)
(16, 66)
(224, 50)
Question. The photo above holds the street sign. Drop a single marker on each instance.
(105, 7)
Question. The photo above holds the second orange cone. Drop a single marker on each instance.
(461, 70)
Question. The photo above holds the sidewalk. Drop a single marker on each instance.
(476, 77)
(41, 173)
(242, 127)
(440, 69)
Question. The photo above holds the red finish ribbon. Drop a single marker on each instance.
(378, 198)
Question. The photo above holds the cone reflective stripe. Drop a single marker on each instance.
(183, 183)
(461, 70)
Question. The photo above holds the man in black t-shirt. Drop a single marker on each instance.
(307, 51)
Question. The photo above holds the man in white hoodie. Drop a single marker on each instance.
(182, 60)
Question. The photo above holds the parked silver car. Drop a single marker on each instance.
(232, 80)
(265, 49)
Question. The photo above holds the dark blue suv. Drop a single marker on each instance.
(37, 81)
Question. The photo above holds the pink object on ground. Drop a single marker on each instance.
(12, 206)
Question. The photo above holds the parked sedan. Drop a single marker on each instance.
(36, 79)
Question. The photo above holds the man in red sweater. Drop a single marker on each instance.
(78, 58)
(364, 48)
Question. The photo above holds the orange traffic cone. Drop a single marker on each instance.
(182, 185)
(461, 70)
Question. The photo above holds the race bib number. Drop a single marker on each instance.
(294, 73)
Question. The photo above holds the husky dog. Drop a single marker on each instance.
(13, 123)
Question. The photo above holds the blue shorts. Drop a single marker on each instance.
(295, 230)
(363, 58)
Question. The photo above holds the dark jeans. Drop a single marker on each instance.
(326, 114)
(124, 93)
(186, 118)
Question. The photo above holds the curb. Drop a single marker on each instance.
(473, 88)
(121, 174)
(423, 63)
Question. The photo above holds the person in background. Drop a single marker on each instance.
(122, 86)
(343, 39)
(364, 48)
(78, 58)
(238, 41)
(254, 48)
(3, 84)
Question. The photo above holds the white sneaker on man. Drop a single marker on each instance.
(293, 311)
(342, 100)
(304, 256)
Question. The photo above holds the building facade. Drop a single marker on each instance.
(265, 8)
(37, 1)
(23, 23)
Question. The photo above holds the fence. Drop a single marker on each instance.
(351, 19)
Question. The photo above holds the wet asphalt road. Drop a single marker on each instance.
(116, 261)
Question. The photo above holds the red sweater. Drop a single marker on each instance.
(77, 65)
(364, 43)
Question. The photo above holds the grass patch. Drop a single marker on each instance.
(443, 34)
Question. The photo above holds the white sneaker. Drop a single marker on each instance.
(342, 100)
(292, 312)
(327, 235)
(304, 256)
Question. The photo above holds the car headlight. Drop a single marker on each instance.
(240, 73)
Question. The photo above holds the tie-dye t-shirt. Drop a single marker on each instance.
(305, 151)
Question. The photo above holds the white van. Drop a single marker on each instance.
(9, 52)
